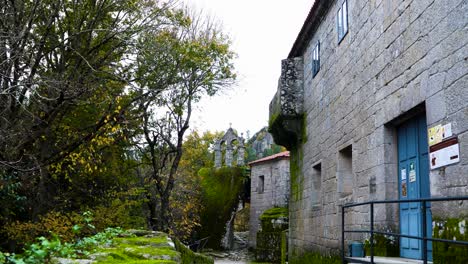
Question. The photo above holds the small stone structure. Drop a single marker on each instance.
(227, 142)
(269, 188)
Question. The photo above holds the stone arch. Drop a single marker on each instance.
(228, 142)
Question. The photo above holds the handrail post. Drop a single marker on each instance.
(342, 234)
(424, 232)
(372, 232)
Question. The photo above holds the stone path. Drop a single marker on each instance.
(226, 261)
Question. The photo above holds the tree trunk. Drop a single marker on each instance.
(163, 221)
(152, 219)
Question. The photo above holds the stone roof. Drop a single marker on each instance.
(281, 155)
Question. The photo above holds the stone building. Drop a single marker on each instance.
(373, 105)
(269, 188)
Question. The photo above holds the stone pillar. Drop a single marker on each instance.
(229, 151)
(217, 151)
(240, 152)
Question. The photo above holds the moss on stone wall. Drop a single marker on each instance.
(221, 190)
(451, 229)
(274, 219)
(272, 239)
(296, 179)
(190, 257)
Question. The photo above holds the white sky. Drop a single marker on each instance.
(262, 32)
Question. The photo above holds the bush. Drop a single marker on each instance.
(451, 229)
(314, 257)
(60, 224)
(45, 249)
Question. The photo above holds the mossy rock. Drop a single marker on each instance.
(135, 247)
(274, 219)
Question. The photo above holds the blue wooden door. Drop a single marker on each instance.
(413, 182)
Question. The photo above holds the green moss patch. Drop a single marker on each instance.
(222, 189)
(148, 249)
(190, 257)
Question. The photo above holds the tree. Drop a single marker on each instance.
(197, 62)
(67, 81)
(186, 198)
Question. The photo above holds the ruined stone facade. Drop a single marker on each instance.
(399, 59)
(269, 187)
(227, 142)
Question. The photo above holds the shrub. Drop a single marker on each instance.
(314, 257)
(60, 224)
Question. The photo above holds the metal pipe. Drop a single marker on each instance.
(424, 232)
(342, 235)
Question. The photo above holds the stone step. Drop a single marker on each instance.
(387, 260)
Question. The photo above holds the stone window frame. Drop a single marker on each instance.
(261, 184)
(345, 171)
(316, 59)
(342, 21)
(316, 184)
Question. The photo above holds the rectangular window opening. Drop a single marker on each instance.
(342, 20)
(316, 184)
(345, 171)
(261, 184)
(316, 59)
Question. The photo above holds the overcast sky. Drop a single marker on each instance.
(263, 32)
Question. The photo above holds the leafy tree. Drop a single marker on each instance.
(64, 73)
(186, 204)
(197, 62)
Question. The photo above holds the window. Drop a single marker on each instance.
(316, 59)
(342, 20)
(316, 184)
(345, 171)
(261, 184)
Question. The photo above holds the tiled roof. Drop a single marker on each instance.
(284, 154)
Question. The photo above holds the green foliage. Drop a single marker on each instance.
(221, 191)
(62, 225)
(149, 248)
(44, 248)
(253, 143)
(186, 204)
(386, 246)
(11, 201)
(314, 257)
(190, 257)
(2, 257)
(450, 229)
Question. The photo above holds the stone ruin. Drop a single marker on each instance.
(227, 143)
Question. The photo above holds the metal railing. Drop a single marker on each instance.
(424, 236)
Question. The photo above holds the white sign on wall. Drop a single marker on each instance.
(444, 153)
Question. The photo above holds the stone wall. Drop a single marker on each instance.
(275, 193)
(398, 58)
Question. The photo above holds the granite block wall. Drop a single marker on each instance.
(398, 58)
(275, 191)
